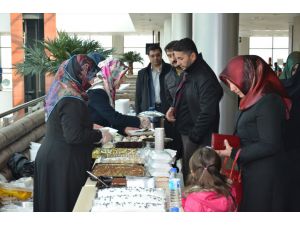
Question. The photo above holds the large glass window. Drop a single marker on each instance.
(104, 40)
(137, 43)
(5, 60)
(5, 40)
(276, 48)
(260, 42)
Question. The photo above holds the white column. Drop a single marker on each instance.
(291, 28)
(167, 32)
(166, 37)
(216, 36)
(181, 25)
(118, 44)
(244, 45)
(296, 34)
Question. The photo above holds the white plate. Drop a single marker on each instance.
(141, 132)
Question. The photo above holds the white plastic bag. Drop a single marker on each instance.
(34, 147)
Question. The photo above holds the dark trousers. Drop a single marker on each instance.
(172, 132)
(189, 148)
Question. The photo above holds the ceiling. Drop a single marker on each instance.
(251, 24)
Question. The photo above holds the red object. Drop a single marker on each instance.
(235, 175)
(217, 141)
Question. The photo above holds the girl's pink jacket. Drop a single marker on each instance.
(208, 202)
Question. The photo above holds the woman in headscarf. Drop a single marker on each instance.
(292, 140)
(263, 109)
(66, 151)
(102, 99)
(291, 66)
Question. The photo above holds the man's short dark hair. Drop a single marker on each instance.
(170, 46)
(186, 45)
(154, 47)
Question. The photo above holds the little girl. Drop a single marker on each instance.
(208, 190)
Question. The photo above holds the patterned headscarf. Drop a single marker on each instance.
(292, 60)
(71, 80)
(255, 78)
(111, 71)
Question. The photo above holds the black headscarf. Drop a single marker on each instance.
(292, 86)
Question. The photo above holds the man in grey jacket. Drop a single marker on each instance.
(171, 83)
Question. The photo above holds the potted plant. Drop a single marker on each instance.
(131, 57)
(46, 56)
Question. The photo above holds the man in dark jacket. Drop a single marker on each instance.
(150, 92)
(196, 105)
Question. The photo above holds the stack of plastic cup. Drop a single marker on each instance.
(159, 134)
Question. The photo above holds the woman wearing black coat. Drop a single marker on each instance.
(263, 110)
(102, 99)
(66, 151)
(292, 140)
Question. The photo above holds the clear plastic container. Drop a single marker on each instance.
(19, 193)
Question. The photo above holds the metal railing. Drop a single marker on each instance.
(31, 106)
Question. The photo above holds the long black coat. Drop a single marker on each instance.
(292, 141)
(142, 94)
(198, 111)
(64, 157)
(262, 159)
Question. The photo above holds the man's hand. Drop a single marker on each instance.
(170, 115)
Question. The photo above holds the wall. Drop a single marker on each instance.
(16, 24)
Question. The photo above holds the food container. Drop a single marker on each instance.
(118, 170)
(156, 118)
(129, 144)
(7, 190)
(113, 152)
(151, 142)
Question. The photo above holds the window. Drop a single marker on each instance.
(275, 47)
(5, 60)
(104, 40)
(137, 43)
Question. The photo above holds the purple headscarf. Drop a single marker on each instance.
(111, 71)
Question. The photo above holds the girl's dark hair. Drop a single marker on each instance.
(205, 165)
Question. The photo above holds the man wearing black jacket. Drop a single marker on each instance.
(196, 105)
(150, 92)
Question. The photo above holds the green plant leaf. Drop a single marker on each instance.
(59, 49)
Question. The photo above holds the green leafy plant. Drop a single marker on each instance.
(58, 50)
(131, 57)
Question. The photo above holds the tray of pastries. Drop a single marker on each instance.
(114, 152)
(118, 170)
